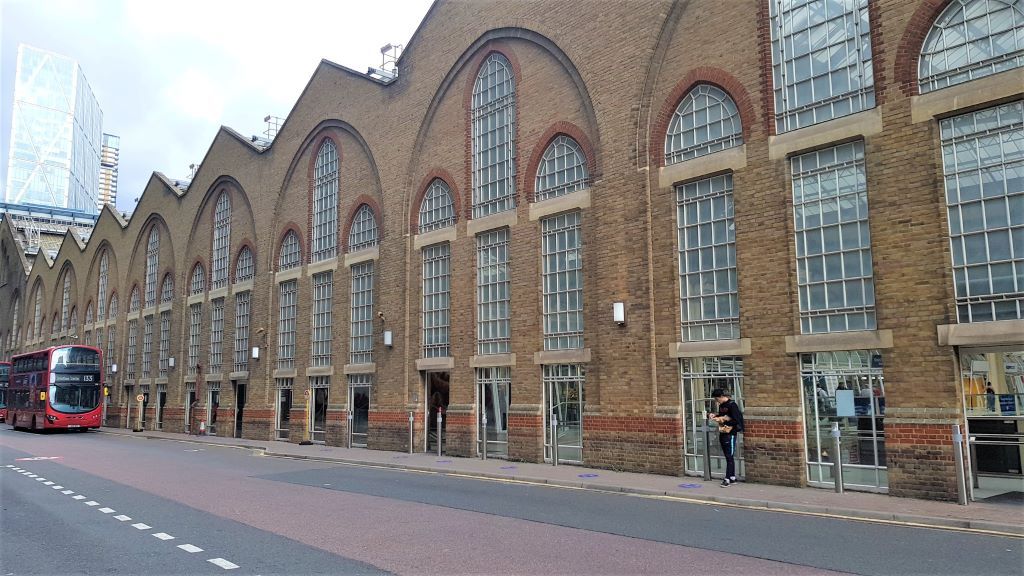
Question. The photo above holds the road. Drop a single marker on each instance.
(110, 504)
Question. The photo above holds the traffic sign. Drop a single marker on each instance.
(140, 398)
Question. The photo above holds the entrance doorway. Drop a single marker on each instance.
(993, 383)
(494, 394)
(318, 417)
(145, 406)
(437, 387)
(190, 399)
(564, 399)
(161, 404)
(239, 407)
(359, 404)
(128, 400)
(282, 420)
(699, 376)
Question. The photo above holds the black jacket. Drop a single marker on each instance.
(732, 410)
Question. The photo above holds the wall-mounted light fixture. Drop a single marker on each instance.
(113, 368)
(619, 313)
(255, 352)
(170, 362)
(388, 341)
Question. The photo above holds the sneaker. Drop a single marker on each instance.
(733, 480)
(726, 482)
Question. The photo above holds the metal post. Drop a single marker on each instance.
(837, 458)
(958, 458)
(483, 435)
(554, 438)
(706, 429)
(350, 427)
(410, 432)
(439, 431)
(974, 460)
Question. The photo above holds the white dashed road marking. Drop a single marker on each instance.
(122, 517)
(141, 526)
(57, 487)
(48, 483)
(107, 510)
(190, 548)
(31, 475)
(67, 491)
(92, 503)
(78, 497)
(223, 563)
(40, 479)
(163, 536)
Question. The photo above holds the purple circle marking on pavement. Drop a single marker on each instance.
(508, 467)
(691, 486)
(587, 475)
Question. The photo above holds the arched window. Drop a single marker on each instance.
(133, 299)
(198, 283)
(437, 210)
(291, 252)
(88, 314)
(65, 302)
(221, 241)
(37, 319)
(972, 39)
(54, 326)
(325, 203)
(563, 169)
(112, 307)
(494, 114)
(73, 323)
(101, 289)
(17, 325)
(244, 268)
(822, 65)
(363, 233)
(167, 288)
(152, 264)
(705, 121)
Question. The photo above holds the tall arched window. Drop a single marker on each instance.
(167, 288)
(73, 322)
(112, 307)
(37, 318)
(54, 326)
(437, 209)
(89, 314)
(152, 264)
(244, 268)
(133, 299)
(325, 203)
(221, 241)
(494, 114)
(198, 282)
(972, 39)
(363, 233)
(705, 121)
(65, 303)
(562, 169)
(101, 289)
(290, 255)
(17, 325)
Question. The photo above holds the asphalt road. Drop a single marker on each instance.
(258, 515)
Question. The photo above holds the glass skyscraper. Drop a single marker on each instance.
(56, 135)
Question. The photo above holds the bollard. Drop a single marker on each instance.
(410, 432)
(483, 420)
(349, 428)
(439, 422)
(554, 438)
(706, 429)
(837, 458)
(958, 459)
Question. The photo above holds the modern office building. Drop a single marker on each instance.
(561, 225)
(109, 157)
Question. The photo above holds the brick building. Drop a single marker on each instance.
(817, 205)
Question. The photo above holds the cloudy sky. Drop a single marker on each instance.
(168, 74)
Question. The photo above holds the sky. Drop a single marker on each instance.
(168, 74)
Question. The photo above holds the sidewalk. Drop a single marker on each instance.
(980, 516)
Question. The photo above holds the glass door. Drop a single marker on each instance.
(161, 404)
(212, 407)
(564, 399)
(699, 377)
(437, 386)
(494, 393)
(282, 423)
(319, 421)
(359, 403)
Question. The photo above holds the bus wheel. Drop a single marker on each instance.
(33, 424)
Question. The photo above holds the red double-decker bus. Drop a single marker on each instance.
(59, 387)
(5, 374)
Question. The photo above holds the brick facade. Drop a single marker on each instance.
(611, 80)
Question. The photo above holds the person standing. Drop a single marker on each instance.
(730, 424)
(990, 397)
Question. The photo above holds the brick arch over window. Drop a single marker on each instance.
(909, 51)
(703, 75)
(245, 245)
(557, 129)
(378, 216)
(435, 174)
(473, 68)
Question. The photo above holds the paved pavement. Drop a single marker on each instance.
(978, 516)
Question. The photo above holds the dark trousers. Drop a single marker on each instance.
(728, 443)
